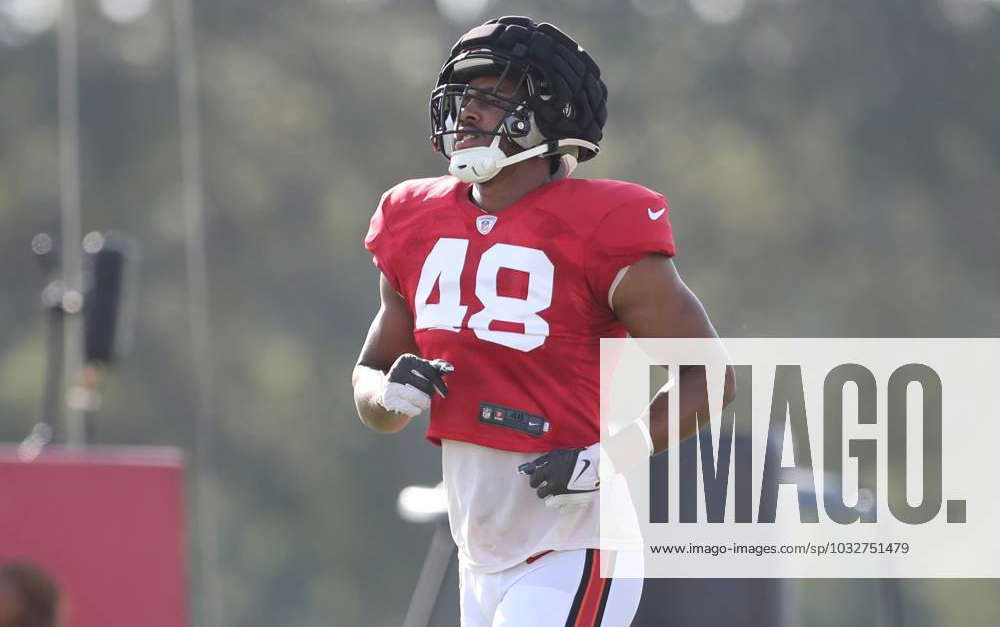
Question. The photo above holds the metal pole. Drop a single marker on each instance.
(74, 430)
(891, 603)
(51, 301)
(198, 313)
(431, 577)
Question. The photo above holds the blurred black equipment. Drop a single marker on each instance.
(107, 304)
(109, 296)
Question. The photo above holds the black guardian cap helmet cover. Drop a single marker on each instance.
(563, 102)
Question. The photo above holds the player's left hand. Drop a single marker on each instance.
(565, 478)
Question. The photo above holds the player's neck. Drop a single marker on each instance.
(511, 185)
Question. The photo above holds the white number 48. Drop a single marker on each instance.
(444, 265)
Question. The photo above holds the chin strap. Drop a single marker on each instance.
(481, 163)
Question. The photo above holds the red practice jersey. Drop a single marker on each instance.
(517, 301)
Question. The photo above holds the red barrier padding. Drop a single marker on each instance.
(107, 524)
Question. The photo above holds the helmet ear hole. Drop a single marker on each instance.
(516, 126)
(523, 131)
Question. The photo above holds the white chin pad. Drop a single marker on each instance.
(477, 164)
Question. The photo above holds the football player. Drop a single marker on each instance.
(497, 283)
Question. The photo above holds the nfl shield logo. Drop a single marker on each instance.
(485, 223)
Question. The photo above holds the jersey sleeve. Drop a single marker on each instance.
(379, 242)
(625, 235)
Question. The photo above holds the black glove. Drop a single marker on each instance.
(565, 478)
(411, 382)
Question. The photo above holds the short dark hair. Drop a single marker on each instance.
(36, 594)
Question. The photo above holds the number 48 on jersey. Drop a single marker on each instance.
(444, 265)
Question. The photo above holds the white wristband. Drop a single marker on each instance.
(626, 448)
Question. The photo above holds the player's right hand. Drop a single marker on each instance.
(411, 383)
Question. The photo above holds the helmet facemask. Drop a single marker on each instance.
(447, 102)
(480, 163)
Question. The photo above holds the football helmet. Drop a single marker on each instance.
(560, 111)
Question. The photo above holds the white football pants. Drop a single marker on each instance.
(553, 589)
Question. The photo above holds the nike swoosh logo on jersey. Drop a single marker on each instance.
(586, 465)
(655, 215)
